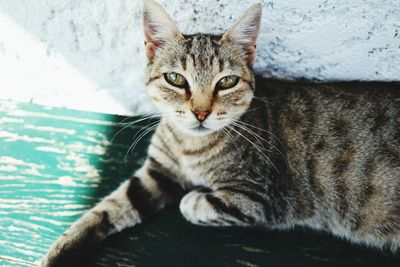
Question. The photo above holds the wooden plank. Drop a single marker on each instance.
(57, 163)
(54, 165)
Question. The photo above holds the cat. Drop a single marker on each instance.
(324, 156)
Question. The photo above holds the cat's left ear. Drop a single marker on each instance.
(158, 27)
(245, 31)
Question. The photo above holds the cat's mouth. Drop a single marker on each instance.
(201, 128)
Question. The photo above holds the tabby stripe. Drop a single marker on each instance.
(314, 181)
(341, 164)
(150, 80)
(248, 185)
(341, 190)
(209, 146)
(221, 64)
(183, 62)
(249, 194)
(203, 190)
(211, 60)
(173, 134)
(340, 128)
(215, 47)
(105, 226)
(380, 119)
(140, 198)
(367, 189)
(356, 222)
(392, 226)
(169, 93)
(164, 182)
(391, 153)
(233, 211)
(211, 158)
(206, 167)
(166, 153)
(194, 60)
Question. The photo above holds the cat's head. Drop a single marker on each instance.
(200, 83)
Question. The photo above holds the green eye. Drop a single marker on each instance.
(175, 79)
(227, 82)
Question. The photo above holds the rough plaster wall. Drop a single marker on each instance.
(100, 42)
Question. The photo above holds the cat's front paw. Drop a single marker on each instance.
(196, 209)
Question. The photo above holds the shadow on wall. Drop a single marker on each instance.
(82, 52)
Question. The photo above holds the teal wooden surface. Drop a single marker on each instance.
(57, 163)
(54, 164)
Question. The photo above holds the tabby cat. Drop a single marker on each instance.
(325, 156)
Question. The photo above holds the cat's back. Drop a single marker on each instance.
(342, 145)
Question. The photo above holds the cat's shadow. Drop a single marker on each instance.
(168, 240)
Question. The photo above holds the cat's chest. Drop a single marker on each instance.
(197, 159)
(194, 173)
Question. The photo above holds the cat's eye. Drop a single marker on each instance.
(227, 82)
(176, 79)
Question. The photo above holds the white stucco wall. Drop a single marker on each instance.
(88, 54)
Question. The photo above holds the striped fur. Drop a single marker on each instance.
(325, 156)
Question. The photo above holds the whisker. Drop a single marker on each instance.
(261, 129)
(259, 137)
(171, 133)
(131, 117)
(140, 134)
(255, 135)
(257, 147)
(249, 110)
(142, 117)
(230, 138)
(132, 123)
(261, 99)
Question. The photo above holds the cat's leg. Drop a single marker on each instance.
(224, 207)
(152, 187)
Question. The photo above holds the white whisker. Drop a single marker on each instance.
(260, 138)
(231, 138)
(257, 147)
(261, 129)
(132, 123)
(140, 134)
(264, 100)
(171, 133)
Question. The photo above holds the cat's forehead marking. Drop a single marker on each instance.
(201, 51)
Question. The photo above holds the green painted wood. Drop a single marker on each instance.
(56, 163)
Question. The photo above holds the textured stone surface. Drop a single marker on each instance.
(89, 54)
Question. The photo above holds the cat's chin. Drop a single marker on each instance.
(198, 131)
(201, 130)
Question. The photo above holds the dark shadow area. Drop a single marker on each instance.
(264, 83)
(168, 240)
(121, 160)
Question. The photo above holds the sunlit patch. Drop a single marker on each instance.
(34, 75)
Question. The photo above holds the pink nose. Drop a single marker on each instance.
(201, 115)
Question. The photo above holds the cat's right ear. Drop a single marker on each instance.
(158, 27)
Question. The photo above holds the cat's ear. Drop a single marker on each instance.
(245, 31)
(158, 27)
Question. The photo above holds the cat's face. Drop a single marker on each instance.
(200, 83)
